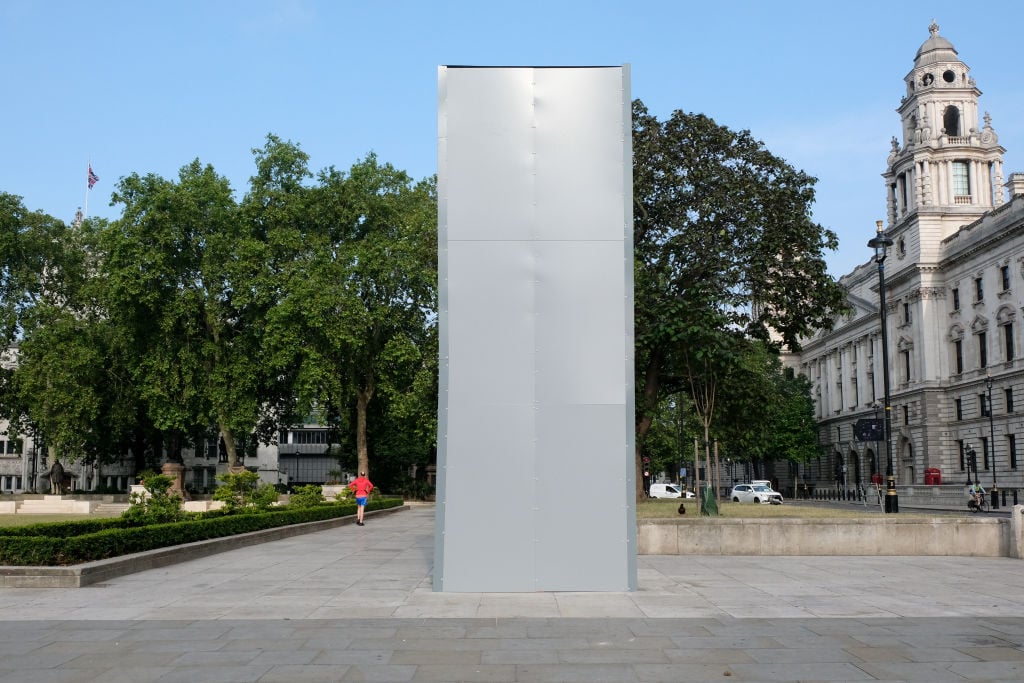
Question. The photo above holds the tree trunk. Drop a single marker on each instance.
(696, 473)
(231, 447)
(138, 449)
(718, 474)
(644, 413)
(363, 397)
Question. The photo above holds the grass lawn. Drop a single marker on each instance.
(648, 509)
(662, 508)
(22, 520)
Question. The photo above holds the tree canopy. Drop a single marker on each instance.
(725, 249)
(196, 315)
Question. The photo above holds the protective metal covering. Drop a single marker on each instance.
(535, 444)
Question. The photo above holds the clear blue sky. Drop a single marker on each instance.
(148, 86)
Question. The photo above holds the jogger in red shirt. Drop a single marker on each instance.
(362, 487)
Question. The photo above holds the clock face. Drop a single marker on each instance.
(927, 80)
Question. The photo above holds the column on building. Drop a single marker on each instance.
(926, 183)
(890, 202)
(975, 185)
(997, 183)
(864, 378)
(931, 335)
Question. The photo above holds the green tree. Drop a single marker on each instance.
(32, 261)
(768, 412)
(181, 265)
(360, 308)
(724, 244)
(59, 384)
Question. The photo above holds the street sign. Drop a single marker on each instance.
(869, 429)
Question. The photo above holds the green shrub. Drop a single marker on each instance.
(158, 505)
(416, 489)
(146, 474)
(306, 496)
(243, 492)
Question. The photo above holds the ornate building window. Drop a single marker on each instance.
(956, 298)
(1004, 318)
(961, 183)
(956, 338)
(982, 350)
(951, 122)
(904, 347)
(1008, 393)
(1004, 274)
(1011, 449)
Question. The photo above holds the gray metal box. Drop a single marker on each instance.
(535, 445)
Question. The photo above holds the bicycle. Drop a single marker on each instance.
(978, 506)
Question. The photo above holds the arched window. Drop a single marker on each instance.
(951, 121)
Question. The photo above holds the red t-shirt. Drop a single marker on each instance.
(362, 487)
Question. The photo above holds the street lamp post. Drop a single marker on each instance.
(992, 442)
(969, 455)
(880, 243)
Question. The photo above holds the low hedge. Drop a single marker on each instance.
(97, 543)
(65, 529)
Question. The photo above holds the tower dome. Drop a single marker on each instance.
(935, 49)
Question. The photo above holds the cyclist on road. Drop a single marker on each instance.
(976, 492)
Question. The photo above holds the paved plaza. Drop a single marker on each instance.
(356, 604)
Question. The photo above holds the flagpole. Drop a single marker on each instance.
(88, 170)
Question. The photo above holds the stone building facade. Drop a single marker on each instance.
(954, 290)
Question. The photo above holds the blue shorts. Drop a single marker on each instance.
(360, 500)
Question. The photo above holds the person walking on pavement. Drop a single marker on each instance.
(362, 487)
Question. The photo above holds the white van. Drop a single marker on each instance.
(665, 491)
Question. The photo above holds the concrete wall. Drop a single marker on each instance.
(944, 497)
(975, 536)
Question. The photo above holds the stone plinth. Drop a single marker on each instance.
(176, 472)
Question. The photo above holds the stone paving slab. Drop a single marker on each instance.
(356, 604)
(515, 649)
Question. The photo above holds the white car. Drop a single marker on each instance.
(669, 491)
(755, 493)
